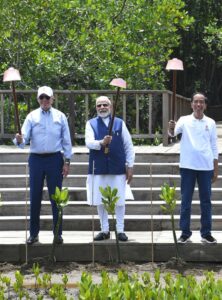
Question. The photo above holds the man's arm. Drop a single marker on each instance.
(91, 142)
(129, 152)
(67, 147)
(21, 140)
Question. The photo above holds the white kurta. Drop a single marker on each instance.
(93, 182)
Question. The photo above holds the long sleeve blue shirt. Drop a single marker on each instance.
(47, 132)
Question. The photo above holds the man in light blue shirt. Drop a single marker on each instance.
(47, 131)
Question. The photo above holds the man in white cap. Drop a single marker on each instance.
(114, 169)
(47, 130)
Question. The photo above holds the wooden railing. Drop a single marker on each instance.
(146, 112)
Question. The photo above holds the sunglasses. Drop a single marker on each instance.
(104, 105)
(44, 97)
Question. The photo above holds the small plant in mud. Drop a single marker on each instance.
(61, 198)
(168, 194)
(109, 200)
(18, 286)
(57, 292)
(46, 281)
(65, 280)
(7, 281)
(36, 272)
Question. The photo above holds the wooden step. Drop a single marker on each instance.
(79, 193)
(18, 208)
(78, 247)
(80, 167)
(84, 222)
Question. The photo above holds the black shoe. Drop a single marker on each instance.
(122, 237)
(32, 239)
(102, 236)
(59, 240)
(183, 239)
(209, 239)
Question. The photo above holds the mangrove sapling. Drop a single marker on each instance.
(46, 281)
(168, 194)
(18, 285)
(61, 198)
(57, 292)
(109, 200)
(65, 280)
(36, 272)
(7, 281)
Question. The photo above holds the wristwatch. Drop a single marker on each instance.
(67, 161)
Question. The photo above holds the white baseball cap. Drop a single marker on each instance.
(45, 90)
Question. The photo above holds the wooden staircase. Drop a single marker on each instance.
(152, 169)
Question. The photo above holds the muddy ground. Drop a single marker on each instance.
(74, 271)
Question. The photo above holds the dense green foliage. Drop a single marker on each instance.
(201, 50)
(132, 287)
(123, 286)
(83, 44)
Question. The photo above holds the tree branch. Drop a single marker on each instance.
(120, 12)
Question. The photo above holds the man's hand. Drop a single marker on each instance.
(215, 174)
(129, 174)
(214, 178)
(65, 170)
(19, 138)
(171, 126)
(106, 140)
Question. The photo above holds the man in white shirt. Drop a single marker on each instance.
(198, 163)
(114, 169)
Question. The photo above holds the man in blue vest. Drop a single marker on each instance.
(114, 169)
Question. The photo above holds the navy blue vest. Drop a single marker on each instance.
(114, 161)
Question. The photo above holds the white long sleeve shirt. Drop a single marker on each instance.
(198, 145)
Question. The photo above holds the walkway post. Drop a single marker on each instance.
(174, 65)
(13, 75)
(119, 83)
(93, 219)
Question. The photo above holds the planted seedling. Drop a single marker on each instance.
(109, 200)
(61, 198)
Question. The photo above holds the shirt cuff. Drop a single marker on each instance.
(170, 134)
(22, 145)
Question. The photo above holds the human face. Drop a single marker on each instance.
(103, 108)
(198, 105)
(45, 102)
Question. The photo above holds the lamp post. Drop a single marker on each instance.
(174, 65)
(13, 75)
(119, 83)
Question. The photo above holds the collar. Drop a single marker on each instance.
(46, 111)
(195, 119)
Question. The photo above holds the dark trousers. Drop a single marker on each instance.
(41, 167)
(188, 180)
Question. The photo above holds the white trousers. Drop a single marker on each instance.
(104, 222)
